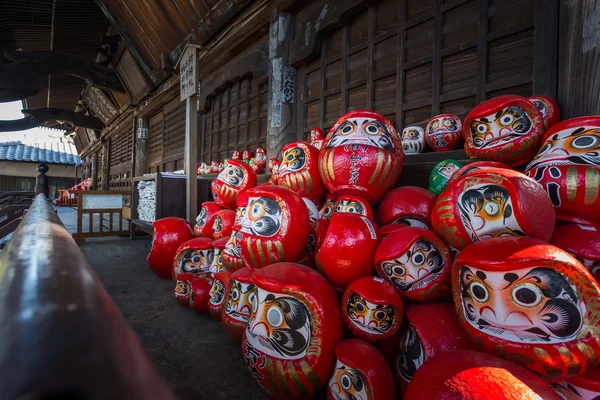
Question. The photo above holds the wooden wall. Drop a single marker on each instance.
(120, 152)
(411, 59)
(166, 138)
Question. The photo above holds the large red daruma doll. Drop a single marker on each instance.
(292, 301)
(194, 256)
(530, 302)
(568, 168)
(583, 243)
(548, 108)
(417, 262)
(236, 313)
(274, 228)
(349, 245)
(235, 178)
(476, 376)
(360, 372)
(406, 205)
(363, 156)
(219, 293)
(372, 309)
(169, 234)
(433, 328)
(206, 219)
(492, 202)
(506, 128)
(299, 171)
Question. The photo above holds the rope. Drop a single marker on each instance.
(51, 48)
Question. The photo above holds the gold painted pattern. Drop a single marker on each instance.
(573, 365)
(588, 352)
(296, 381)
(552, 371)
(280, 252)
(281, 378)
(307, 181)
(271, 376)
(249, 248)
(592, 186)
(571, 183)
(311, 375)
(377, 166)
(260, 252)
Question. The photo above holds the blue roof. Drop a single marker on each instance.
(48, 152)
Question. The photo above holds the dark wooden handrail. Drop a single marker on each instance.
(6, 197)
(61, 335)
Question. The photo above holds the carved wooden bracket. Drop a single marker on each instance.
(40, 116)
(254, 64)
(7, 95)
(28, 66)
(333, 14)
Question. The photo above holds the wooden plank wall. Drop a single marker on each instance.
(412, 59)
(166, 138)
(120, 159)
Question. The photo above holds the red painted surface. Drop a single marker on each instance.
(406, 202)
(201, 294)
(169, 234)
(204, 227)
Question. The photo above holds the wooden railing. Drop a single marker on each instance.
(101, 203)
(61, 335)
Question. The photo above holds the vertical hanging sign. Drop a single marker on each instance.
(187, 73)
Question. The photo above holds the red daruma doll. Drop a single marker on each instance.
(583, 243)
(360, 372)
(443, 132)
(219, 293)
(299, 171)
(236, 313)
(169, 234)
(293, 329)
(530, 302)
(235, 178)
(363, 156)
(206, 219)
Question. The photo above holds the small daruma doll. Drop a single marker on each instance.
(169, 234)
(206, 219)
(214, 167)
(506, 128)
(246, 156)
(194, 257)
(548, 108)
(372, 309)
(441, 174)
(222, 224)
(406, 205)
(583, 243)
(274, 170)
(293, 329)
(417, 262)
(317, 138)
(183, 288)
(260, 157)
(492, 202)
(530, 302)
(413, 140)
(201, 294)
(236, 155)
(363, 156)
(347, 251)
(217, 261)
(360, 372)
(568, 167)
(219, 293)
(236, 313)
(235, 178)
(433, 329)
(232, 253)
(299, 171)
(274, 228)
(443, 132)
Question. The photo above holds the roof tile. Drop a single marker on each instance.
(50, 152)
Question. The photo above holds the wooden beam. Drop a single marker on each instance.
(545, 48)
(28, 66)
(191, 158)
(7, 95)
(40, 116)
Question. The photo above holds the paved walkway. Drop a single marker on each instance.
(192, 352)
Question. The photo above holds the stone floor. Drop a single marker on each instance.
(192, 352)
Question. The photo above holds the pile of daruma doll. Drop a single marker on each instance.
(333, 279)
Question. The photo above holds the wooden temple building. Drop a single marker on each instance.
(266, 72)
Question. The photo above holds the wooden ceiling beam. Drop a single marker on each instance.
(7, 95)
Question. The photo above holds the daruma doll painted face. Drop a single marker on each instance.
(406, 205)
(360, 372)
(169, 234)
(194, 256)
(413, 140)
(219, 293)
(506, 128)
(235, 178)
(372, 309)
(217, 261)
(317, 138)
(433, 329)
(206, 219)
(441, 174)
(183, 289)
(294, 326)
(299, 171)
(363, 156)
(530, 302)
(274, 228)
(492, 202)
(568, 167)
(548, 108)
(583, 243)
(462, 374)
(222, 224)
(260, 157)
(443, 132)
(417, 262)
(232, 253)
(236, 313)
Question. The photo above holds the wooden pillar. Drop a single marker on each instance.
(191, 157)
(104, 170)
(579, 58)
(282, 80)
(94, 172)
(141, 147)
